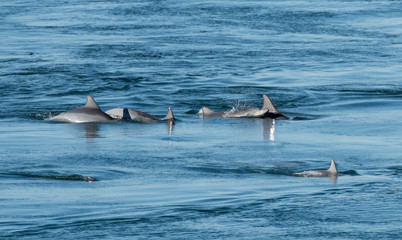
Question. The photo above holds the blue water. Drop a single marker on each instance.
(334, 67)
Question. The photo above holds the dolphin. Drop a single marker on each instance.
(88, 113)
(130, 114)
(268, 110)
(331, 172)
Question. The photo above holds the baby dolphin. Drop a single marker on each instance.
(88, 113)
(268, 110)
(331, 172)
(130, 114)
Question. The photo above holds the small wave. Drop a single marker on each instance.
(72, 177)
(240, 170)
(192, 111)
(349, 172)
(304, 117)
(214, 170)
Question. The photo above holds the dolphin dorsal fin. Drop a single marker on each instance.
(91, 102)
(207, 111)
(169, 115)
(333, 168)
(126, 114)
(268, 104)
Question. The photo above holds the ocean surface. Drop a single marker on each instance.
(333, 66)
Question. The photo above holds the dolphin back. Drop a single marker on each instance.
(134, 115)
(332, 171)
(90, 112)
(206, 111)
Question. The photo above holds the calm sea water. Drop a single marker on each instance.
(335, 67)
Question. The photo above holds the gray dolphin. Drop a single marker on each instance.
(331, 172)
(268, 110)
(88, 113)
(130, 114)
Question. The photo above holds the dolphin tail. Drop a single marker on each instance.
(268, 104)
(169, 116)
(332, 169)
(91, 102)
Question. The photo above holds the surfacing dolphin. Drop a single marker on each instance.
(268, 110)
(88, 113)
(134, 115)
(331, 172)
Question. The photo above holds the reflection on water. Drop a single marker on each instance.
(269, 129)
(170, 125)
(333, 178)
(88, 130)
(91, 130)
